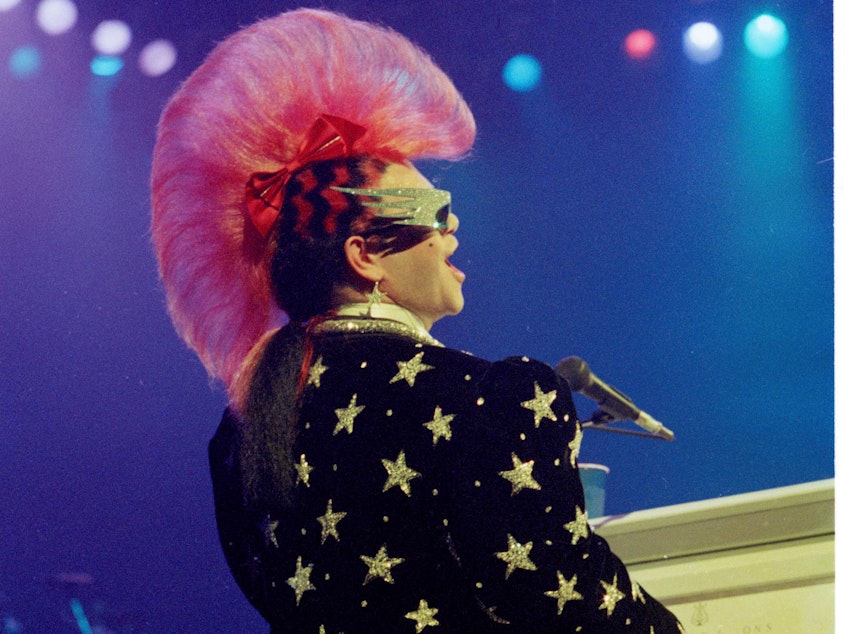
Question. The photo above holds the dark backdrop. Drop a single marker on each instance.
(670, 223)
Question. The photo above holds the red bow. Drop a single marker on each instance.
(329, 138)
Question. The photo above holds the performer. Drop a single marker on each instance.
(366, 478)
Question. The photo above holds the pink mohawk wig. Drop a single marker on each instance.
(245, 110)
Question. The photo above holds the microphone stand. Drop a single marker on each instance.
(601, 419)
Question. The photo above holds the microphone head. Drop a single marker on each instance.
(575, 372)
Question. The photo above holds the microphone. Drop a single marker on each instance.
(611, 401)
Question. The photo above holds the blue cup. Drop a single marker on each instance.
(593, 479)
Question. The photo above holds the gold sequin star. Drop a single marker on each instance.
(611, 597)
(329, 523)
(374, 297)
(424, 616)
(409, 370)
(516, 556)
(269, 527)
(316, 371)
(303, 471)
(565, 591)
(541, 405)
(575, 444)
(578, 526)
(399, 474)
(520, 476)
(440, 426)
(637, 592)
(301, 580)
(346, 416)
(378, 567)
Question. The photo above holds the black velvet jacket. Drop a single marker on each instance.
(435, 491)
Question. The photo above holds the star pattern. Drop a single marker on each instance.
(575, 445)
(611, 596)
(399, 474)
(346, 415)
(541, 404)
(379, 567)
(516, 556)
(423, 616)
(565, 591)
(552, 559)
(328, 522)
(409, 370)
(578, 527)
(315, 372)
(301, 579)
(303, 471)
(520, 476)
(374, 297)
(440, 426)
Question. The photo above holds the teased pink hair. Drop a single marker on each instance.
(245, 110)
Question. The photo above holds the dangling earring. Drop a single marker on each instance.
(374, 298)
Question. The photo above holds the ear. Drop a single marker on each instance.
(365, 263)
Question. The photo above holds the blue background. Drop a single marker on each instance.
(670, 223)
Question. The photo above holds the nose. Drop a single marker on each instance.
(452, 223)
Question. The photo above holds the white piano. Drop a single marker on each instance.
(755, 563)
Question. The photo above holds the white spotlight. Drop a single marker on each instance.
(56, 16)
(5, 5)
(111, 37)
(157, 57)
(703, 43)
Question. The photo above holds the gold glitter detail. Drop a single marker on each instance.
(364, 603)
(327, 577)
(548, 509)
(467, 377)
(480, 400)
(385, 519)
(389, 412)
(516, 556)
(301, 580)
(408, 370)
(334, 467)
(363, 364)
(565, 591)
(575, 445)
(477, 484)
(548, 542)
(557, 462)
(329, 523)
(440, 426)
(479, 585)
(374, 297)
(578, 526)
(379, 567)
(520, 476)
(423, 616)
(365, 326)
(269, 527)
(303, 471)
(636, 592)
(303, 531)
(611, 597)
(525, 359)
(541, 404)
(307, 425)
(315, 372)
(346, 416)
(399, 474)
(445, 522)
(566, 418)
(435, 492)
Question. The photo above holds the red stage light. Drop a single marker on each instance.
(640, 44)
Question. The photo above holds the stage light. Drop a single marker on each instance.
(766, 36)
(522, 73)
(111, 37)
(56, 16)
(702, 43)
(106, 65)
(25, 61)
(156, 58)
(640, 44)
(5, 5)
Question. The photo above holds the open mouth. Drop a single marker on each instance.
(458, 273)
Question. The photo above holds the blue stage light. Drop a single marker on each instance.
(25, 61)
(522, 73)
(766, 36)
(106, 65)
